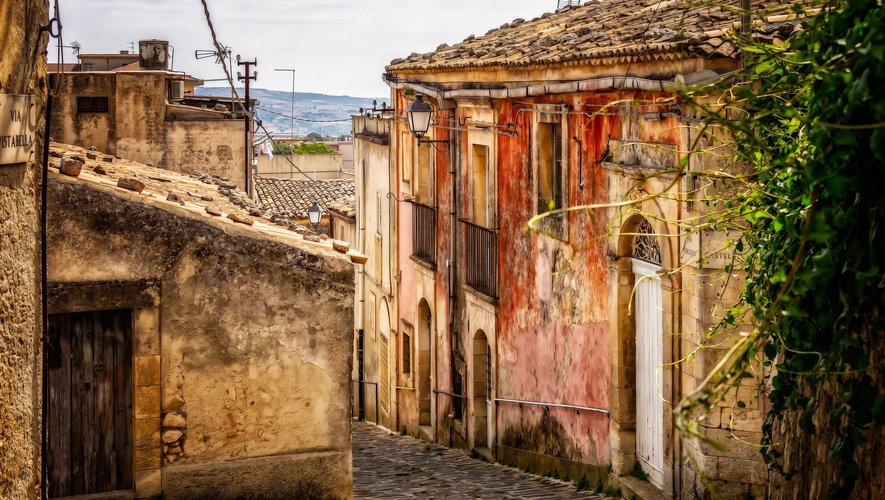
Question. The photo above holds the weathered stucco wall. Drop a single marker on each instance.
(88, 129)
(254, 354)
(22, 71)
(552, 322)
(212, 147)
(136, 126)
(328, 166)
(140, 132)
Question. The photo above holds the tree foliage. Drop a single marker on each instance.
(305, 148)
(812, 125)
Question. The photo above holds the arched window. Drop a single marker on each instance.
(645, 245)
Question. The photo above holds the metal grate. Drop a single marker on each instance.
(645, 246)
(92, 105)
(424, 233)
(482, 259)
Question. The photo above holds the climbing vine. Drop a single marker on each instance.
(809, 117)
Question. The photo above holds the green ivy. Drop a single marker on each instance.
(813, 128)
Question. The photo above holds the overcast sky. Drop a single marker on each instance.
(336, 48)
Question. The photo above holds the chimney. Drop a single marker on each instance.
(153, 54)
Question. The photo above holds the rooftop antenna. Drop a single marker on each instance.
(131, 47)
(75, 48)
(219, 59)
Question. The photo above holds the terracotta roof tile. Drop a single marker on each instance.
(606, 32)
(292, 197)
(200, 196)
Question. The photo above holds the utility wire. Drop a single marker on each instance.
(220, 49)
(340, 120)
(313, 182)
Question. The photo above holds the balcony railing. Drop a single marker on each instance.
(424, 233)
(482, 259)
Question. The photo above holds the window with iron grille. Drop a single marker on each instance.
(407, 354)
(92, 105)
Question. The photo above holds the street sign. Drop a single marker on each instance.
(18, 123)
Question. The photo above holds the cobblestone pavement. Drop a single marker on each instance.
(393, 466)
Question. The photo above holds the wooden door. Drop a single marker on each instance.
(89, 418)
(648, 311)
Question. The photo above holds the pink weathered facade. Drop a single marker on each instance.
(562, 343)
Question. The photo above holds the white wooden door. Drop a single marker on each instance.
(648, 311)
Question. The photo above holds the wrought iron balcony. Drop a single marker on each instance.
(482, 259)
(424, 233)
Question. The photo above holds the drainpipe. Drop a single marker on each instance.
(361, 412)
(453, 269)
(43, 283)
(392, 217)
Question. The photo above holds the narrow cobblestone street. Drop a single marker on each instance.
(394, 466)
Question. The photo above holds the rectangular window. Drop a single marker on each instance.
(458, 401)
(424, 174)
(489, 373)
(407, 143)
(92, 105)
(378, 213)
(480, 185)
(407, 354)
(552, 178)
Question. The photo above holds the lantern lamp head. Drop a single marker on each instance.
(314, 214)
(420, 116)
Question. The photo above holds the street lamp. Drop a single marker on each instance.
(314, 214)
(293, 99)
(420, 116)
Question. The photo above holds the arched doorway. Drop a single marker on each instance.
(425, 328)
(482, 395)
(648, 317)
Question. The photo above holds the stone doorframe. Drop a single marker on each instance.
(622, 361)
(143, 298)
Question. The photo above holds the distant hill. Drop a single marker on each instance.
(325, 111)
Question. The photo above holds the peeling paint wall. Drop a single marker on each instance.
(22, 71)
(552, 318)
(136, 126)
(253, 356)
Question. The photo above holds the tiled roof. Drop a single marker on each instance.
(292, 197)
(345, 206)
(609, 32)
(209, 198)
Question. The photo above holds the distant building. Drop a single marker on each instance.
(132, 106)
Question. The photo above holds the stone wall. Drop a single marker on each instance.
(22, 71)
(242, 359)
(139, 127)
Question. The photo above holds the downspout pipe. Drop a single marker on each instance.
(44, 280)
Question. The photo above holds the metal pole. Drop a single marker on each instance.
(292, 116)
(247, 77)
(361, 391)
